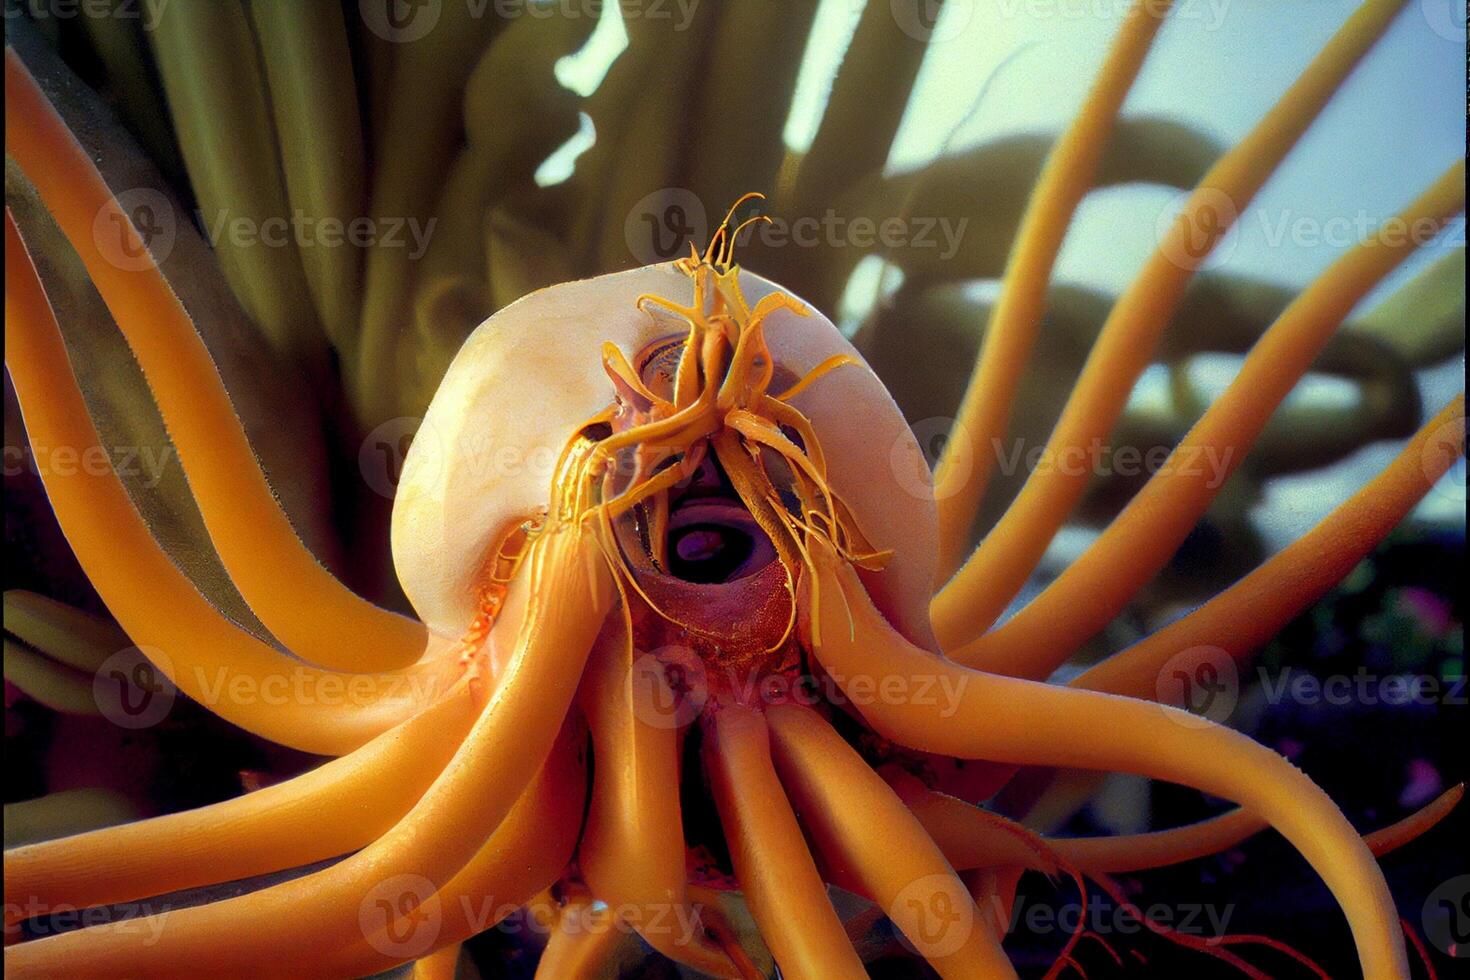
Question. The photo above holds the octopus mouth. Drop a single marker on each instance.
(707, 567)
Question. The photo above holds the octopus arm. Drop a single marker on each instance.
(206, 655)
(972, 837)
(284, 584)
(1144, 537)
(964, 469)
(1019, 722)
(522, 857)
(1247, 614)
(334, 809)
(991, 577)
(777, 875)
(294, 922)
(635, 787)
(869, 840)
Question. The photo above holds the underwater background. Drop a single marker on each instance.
(619, 126)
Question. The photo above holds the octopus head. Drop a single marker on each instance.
(709, 418)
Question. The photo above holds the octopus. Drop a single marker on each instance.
(693, 615)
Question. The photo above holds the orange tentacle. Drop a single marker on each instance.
(441, 964)
(298, 921)
(211, 659)
(964, 468)
(635, 787)
(1141, 540)
(523, 856)
(336, 808)
(993, 575)
(774, 867)
(585, 941)
(1242, 618)
(972, 837)
(860, 827)
(281, 580)
(1021, 722)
